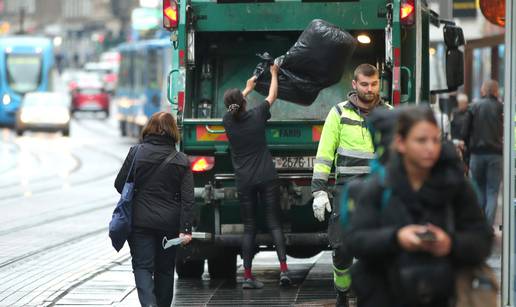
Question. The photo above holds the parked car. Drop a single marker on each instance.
(90, 96)
(44, 111)
(107, 72)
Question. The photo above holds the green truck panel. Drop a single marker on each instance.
(287, 16)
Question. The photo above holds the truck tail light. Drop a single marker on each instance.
(407, 10)
(170, 14)
(201, 164)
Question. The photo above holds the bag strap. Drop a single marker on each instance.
(160, 167)
(131, 168)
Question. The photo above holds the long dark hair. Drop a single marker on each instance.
(412, 115)
(234, 101)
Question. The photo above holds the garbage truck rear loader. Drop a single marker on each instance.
(214, 48)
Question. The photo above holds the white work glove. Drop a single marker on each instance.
(321, 201)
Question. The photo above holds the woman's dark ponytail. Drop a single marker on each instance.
(234, 101)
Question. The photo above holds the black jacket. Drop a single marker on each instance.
(483, 127)
(166, 202)
(373, 231)
(457, 124)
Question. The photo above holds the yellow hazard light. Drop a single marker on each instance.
(170, 14)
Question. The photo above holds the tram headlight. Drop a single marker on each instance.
(6, 99)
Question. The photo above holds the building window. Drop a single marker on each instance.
(77, 8)
(15, 6)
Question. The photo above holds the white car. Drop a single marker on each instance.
(44, 111)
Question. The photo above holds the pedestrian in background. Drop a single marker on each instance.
(459, 116)
(443, 121)
(483, 134)
(347, 144)
(417, 223)
(457, 125)
(256, 176)
(163, 202)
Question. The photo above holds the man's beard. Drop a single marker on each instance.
(367, 97)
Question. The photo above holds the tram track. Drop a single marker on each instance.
(8, 231)
(59, 185)
(70, 231)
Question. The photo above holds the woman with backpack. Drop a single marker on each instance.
(255, 173)
(417, 221)
(162, 207)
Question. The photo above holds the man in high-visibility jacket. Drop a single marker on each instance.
(347, 144)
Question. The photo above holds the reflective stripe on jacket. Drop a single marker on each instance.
(346, 143)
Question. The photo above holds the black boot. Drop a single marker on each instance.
(342, 299)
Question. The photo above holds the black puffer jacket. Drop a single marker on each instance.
(373, 231)
(483, 126)
(165, 203)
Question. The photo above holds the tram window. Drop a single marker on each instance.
(138, 73)
(24, 72)
(154, 70)
(125, 72)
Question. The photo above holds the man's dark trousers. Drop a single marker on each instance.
(486, 171)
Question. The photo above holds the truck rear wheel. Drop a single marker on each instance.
(189, 268)
(223, 266)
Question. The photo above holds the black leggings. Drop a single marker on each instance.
(268, 195)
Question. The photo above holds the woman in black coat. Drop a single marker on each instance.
(162, 207)
(256, 177)
(410, 239)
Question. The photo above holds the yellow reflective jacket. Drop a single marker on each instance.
(346, 143)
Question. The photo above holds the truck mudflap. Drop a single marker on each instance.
(291, 239)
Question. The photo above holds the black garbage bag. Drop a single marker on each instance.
(317, 60)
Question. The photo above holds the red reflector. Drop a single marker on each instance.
(181, 57)
(180, 101)
(396, 98)
(201, 164)
(397, 56)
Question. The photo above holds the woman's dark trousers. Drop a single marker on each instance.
(264, 194)
(153, 267)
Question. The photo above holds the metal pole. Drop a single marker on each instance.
(446, 9)
(509, 156)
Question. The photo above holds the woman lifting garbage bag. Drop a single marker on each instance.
(416, 222)
(162, 207)
(256, 176)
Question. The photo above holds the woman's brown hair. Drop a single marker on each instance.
(162, 123)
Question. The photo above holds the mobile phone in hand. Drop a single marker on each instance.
(427, 236)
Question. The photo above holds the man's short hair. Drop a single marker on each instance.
(489, 87)
(366, 70)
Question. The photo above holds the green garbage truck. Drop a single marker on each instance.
(214, 47)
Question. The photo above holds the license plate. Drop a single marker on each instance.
(294, 162)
